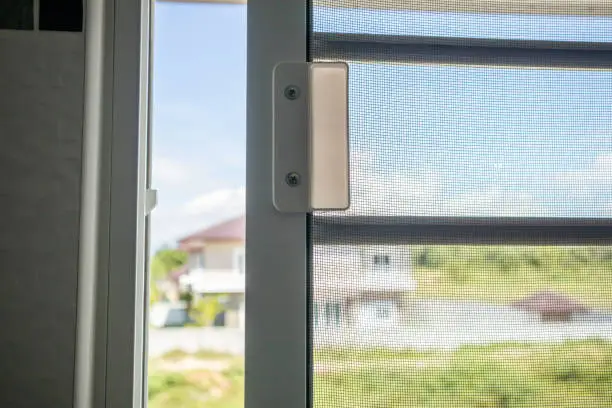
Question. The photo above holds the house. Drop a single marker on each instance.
(216, 267)
(551, 306)
(361, 286)
(352, 285)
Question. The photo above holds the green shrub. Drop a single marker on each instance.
(162, 382)
(205, 309)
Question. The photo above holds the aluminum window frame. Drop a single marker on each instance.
(127, 308)
(111, 357)
(277, 349)
(461, 51)
(277, 245)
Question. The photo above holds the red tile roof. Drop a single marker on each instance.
(231, 230)
(550, 302)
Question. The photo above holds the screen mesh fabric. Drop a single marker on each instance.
(431, 325)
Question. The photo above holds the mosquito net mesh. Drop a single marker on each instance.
(439, 130)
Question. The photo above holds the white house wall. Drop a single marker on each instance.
(220, 256)
(220, 272)
(342, 271)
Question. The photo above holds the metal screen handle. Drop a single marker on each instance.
(311, 133)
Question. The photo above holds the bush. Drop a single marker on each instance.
(161, 382)
(205, 309)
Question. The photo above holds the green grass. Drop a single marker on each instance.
(197, 389)
(501, 274)
(574, 374)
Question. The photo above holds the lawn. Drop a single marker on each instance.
(572, 374)
(576, 374)
(172, 387)
(503, 274)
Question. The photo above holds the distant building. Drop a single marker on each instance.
(352, 285)
(364, 285)
(216, 266)
(551, 305)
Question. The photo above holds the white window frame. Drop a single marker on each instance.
(196, 260)
(278, 355)
(111, 365)
(381, 260)
(111, 358)
(277, 245)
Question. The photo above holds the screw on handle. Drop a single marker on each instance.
(292, 179)
(292, 92)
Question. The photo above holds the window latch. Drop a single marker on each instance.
(310, 137)
(151, 201)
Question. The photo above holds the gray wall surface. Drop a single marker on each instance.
(41, 120)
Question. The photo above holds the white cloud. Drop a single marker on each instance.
(172, 222)
(412, 193)
(167, 170)
(425, 197)
(603, 165)
(493, 203)
(394, 195)
(406, 192)
(592, 179)
(397, 193)
(226, 201)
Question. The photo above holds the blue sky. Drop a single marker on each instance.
(199, 116)
(426, 140)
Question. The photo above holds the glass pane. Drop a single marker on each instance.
(197, 274)
(17, 15)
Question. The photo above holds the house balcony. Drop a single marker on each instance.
(213, 281)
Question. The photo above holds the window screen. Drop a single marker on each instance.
(472, 268)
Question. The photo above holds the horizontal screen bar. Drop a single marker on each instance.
(544, 7)
(460, 51)
(368, 230)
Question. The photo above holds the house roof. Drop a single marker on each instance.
(230, 230)
(550, 302)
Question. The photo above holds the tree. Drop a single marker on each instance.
(206, 309)
(154, 294)
(165, 261)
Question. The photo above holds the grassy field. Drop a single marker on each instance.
(501, 274)
(173, 386)
(575, 374)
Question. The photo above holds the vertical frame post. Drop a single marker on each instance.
(277, 369)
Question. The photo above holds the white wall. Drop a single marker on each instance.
(347, 271)
(41, 105)
(221, 255)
